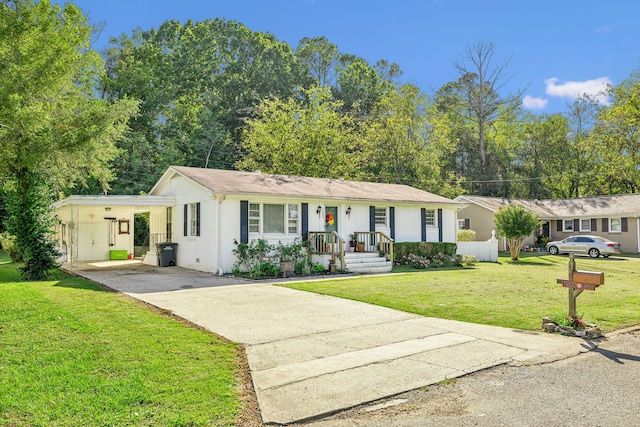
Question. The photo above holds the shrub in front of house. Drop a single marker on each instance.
(259, 259)
(466, 236)
(423, 249)
(439, 261)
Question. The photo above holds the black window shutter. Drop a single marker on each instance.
(186, 220)
(372, 218)
(467, 224)
(198, 219)
(244, 221)
(423, 224)
(624, 226)
(576, 225)
(594, 224)
(605, 225)
(439, 225)
(559, 224)
(305, 221)
(392, 222)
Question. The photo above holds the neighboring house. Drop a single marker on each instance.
(205, 210)
(614, 217)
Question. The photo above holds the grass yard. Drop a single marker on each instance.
(72, 354)
(510, 294)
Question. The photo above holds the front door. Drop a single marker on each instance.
(331, 218)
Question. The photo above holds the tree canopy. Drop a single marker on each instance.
(55, 132)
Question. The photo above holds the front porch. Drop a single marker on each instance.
(365, 252)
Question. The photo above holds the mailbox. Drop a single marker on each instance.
(588, 277)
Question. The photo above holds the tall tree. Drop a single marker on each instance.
(616, 137)
(320, 58)
(479, 87)
(307, 136)
(402, 145)
(55, 131)
(579, 177)
(542, 154)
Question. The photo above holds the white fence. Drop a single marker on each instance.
(486, 251)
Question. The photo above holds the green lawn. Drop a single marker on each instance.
(511, 294)
(72, 354)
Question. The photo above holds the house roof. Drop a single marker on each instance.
(596, 206)
(495, 203)
(256, 183)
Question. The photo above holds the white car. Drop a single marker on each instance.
(594, 246)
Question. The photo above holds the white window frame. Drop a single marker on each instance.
(193, 219)
(618, 227)
(380, 216)
(254, 218)
(564, 225)
(293, 218)
(588, 224)
(430, 219)
(290, 224)
(462, 224)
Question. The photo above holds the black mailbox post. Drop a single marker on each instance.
(166, 254)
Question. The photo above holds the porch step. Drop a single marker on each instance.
(366, 262)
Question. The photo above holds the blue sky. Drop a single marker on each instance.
(556, 49)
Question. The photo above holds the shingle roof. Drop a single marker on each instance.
(495, 203)
(596, 206)
(255, 183)
(618, 205)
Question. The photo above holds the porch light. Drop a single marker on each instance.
(349, 212)
(319, 209)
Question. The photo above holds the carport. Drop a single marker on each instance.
(100, 228)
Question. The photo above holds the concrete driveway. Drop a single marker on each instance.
(311, 355)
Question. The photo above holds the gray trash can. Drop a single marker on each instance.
(166, 254)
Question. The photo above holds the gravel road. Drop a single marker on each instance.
(598, 388)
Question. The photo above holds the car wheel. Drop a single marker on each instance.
(594, 253)
(553, 250)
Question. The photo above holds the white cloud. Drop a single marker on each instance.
(594, 88)
(534, 103)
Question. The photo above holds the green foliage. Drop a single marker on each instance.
(420, 262)
(198, 82)
(31, 222)
(252, 259)
(466, 236)
(516, 223)
(304, 136)
(318, 268)
(423, 249)
(468, 260)
(55, 132)
(8, 244)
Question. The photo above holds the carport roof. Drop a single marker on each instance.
(133, 201)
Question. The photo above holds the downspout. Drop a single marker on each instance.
(220, 198)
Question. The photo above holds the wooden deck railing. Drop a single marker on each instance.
(375, 241)
(328, 243)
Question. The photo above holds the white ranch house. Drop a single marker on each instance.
(205, 210)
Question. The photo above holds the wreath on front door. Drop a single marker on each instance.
(330, 218)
